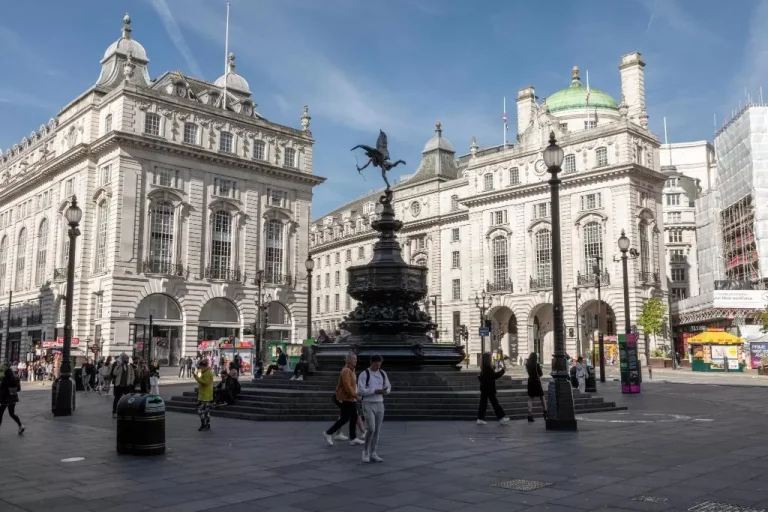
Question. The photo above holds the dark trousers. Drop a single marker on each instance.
(189, 372)
(301, 368)
(181, 371)
(484, 399)
(11, 413)
(272, 368)
(119, 392)
(348, 415)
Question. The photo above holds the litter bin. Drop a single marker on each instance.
(141, 425)
(590, 383)
(79, 379)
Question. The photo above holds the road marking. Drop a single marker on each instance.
(651, 418)
(73, 459)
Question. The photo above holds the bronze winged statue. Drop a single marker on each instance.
(379, 157)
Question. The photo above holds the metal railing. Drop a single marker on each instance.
(540, 283)
(224, 274)
(273, 278)
(35, 319)
(502, 286)
(59, 275)
(163, 267)
(652, 278)
(591, 279)
(16, 321)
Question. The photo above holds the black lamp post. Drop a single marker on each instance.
(435, 299)
(63, 389)
(598, 270)
(562, 414)
(310, 266)
(624, 247)
(482, 305)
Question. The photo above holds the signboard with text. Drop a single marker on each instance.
(740, 299)
(59, 343)
(757, 351)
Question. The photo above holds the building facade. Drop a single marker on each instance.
(481, 223)
(189, 197)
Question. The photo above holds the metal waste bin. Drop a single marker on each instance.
(141, 424)
(590, 383)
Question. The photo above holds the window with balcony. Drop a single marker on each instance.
(488, 182)
(152, 124)
(677, 255)
(455, 235)
(42, 253)
(162, 214)
(273, 258)
(678, 275)
(593, 247)
(456, 289)
(601, 156)
(290, 157)
(500, 257)
(21, 260)
(102, 214)
(225, 142)
(569, 164)
(591, 201)
(221, 244)
(514, 176)
(190, 133)
(544, 257)
(166, 177)
(455, 259)
(259, 150)
(675, 236)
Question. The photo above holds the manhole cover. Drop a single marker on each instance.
(521, 485)
(714, 506)
(73, 459)
(649, 499)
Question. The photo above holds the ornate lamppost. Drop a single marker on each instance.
(310, 266)
(562, 413)
(63, 389)
(598, 271)
(482, 305)
(624, 247)
(435, 300)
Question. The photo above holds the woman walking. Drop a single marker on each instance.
(487, 379)
(9, 397)
(154, 377)
(204, 379)
(535, 390)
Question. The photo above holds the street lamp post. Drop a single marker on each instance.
(578, 339)
(310, 266)
(598, 270)
(482, 305)
(63, 389)
(624, 247)
(562, 414)
(435, 299)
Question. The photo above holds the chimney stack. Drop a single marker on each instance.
(633, 85)
(526, 100)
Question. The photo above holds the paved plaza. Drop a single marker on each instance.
(677, 447)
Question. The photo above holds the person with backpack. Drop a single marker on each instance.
(346, 395)
(372, 385)
(533, 368)
(9, 397)
(487, 378)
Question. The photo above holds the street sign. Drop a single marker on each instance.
(484, 331)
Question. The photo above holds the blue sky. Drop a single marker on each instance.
(399, 65)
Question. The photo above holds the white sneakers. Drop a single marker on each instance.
(505, 419)
(366, 457)
(376, 458)
(293, 378)
(339, 437)
(328, 438)
(300, 377)
(357, 441)
(482, 422)
(371, 457)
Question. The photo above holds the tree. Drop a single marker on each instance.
(651, 317)
(764, 320)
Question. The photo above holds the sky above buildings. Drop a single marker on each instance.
(398, 65)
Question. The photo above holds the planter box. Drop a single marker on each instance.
(684, 363)
(660, 362)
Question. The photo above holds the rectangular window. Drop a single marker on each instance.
(601, 155)
(348, 255)
(337, 278)
(454, 203)
(675, 236)
(317, 305)
(563, 127)
(101, 237)
(590, 124)
(108, 123)
(327, 279)
(678, 275)
(223, 187)
(336, 305)
(677, 255)
(569, 164)
(338, 257)
(166, 177)
(679, 293)
(360, 253)
(327, 260)
(639, 156)
(455, 235)
(46, 199)
(327, 303)
(591, 201)
(456, 289)
(98, 305)
(105, 176)
(488, 182)
(347, 302)
(455, 259)
(514, 176)
(278, 198)
(498, 217)
(421, 242)
(290, 157)
(225, 142)
(152, 124)
(319, 281)
(541, 210)
(259, 150)
(190, 133)
(69, 187)
(673, 199)
(675, 217)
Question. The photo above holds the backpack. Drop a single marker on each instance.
(368, 377)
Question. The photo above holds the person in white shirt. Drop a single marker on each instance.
(21, 369)
(372, 385)
(581, 374)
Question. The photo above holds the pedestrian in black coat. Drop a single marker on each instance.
(9, 397)
(487, 378)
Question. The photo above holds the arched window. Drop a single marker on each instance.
(290, 157)
(601, 155)
(42, 252)
(500, 260)
(645, 250)
(569, 165)
(259, 150)
(101, 237)
(162, 217)
(488, 181)
(21, 250)
(544, 257)
(514, 176)
(3, 261)
(221, 246)
(273, 259)
(593, 246)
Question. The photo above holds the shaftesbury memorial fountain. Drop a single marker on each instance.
(387, 319)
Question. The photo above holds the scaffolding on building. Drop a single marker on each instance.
(738, 234)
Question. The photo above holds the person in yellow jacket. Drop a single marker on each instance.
(204, 378)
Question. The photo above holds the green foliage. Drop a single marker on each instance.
(764, 320)
(657, 352)
(652, 316)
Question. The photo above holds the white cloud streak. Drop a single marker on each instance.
(177, 38)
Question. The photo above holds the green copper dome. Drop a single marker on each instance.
(575, 97)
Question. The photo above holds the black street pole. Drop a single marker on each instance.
(562, 414)
(625, 274)
(63, 390)
(151, 336)
(309, 299)
(578, 339)
(434, 303)
(259, 276)
(600, 339)
(8, 328)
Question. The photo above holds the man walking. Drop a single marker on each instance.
(182, 366)
(372, 385)
(346, 395)
(189, 367)
(124, 377)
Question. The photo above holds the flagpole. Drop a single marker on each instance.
(505, 122)
(586, 124)
(226, 57)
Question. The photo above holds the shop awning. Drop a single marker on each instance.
(715, 338)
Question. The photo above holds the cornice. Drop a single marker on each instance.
(22, 184)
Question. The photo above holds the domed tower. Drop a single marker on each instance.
(124, 61)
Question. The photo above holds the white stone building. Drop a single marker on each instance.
(481, 221)
(187, 192)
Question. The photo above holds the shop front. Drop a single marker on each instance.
(155, 332)
(219, 321)
(716, 350)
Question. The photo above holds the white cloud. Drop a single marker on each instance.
(174, 33)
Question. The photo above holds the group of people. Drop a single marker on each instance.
(188, 365)
(39, 370)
